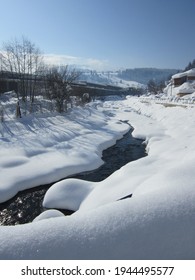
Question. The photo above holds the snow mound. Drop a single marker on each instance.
(48, 214)
(67, 194)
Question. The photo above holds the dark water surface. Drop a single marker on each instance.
(26, 205)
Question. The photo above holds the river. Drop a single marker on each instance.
(26, 205)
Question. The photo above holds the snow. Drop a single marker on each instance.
(186, 88)
(67, 194)
(108, 78)
(188, 73)
(38, 150)
(48, 214)
(157, 222)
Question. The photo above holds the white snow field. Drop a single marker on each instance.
(157, 222)
(108, 78)
(42, 149)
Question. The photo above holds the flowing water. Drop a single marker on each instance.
(26, 205)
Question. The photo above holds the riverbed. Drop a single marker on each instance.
(27, 205)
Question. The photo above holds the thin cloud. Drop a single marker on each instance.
(96, 64)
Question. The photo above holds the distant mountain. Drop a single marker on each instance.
(144, 75)
(107, 78)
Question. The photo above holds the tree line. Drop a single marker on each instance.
(190, 65)
(23, 61)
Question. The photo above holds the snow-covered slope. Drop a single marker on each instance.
(108, 78)
(42, 149)
(144, 75)
(157, 222)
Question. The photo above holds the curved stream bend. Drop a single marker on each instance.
(27, 205)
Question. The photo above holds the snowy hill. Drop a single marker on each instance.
(107, 78)
(144, 75)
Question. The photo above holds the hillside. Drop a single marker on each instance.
(107, 78)
(143, 75)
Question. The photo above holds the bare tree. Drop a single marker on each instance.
(24, 60)
(58, 85)
(155, 87)
(1, 113)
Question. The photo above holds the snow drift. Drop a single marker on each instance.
(157, 222)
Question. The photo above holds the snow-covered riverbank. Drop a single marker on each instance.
(43, 149)
(157, 222)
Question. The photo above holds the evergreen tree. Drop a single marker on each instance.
(190, 65)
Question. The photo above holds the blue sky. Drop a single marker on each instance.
(105, 34)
